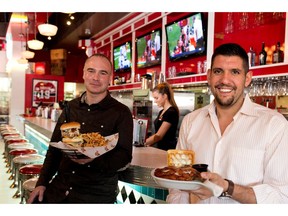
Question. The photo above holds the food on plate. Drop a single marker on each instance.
(184, 173)
(71, 134)
(94, 139)
(179, 158)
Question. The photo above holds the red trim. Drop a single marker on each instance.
(139, 23)
(117, 35)
(154, 16)
(126, 30)
(107, 40)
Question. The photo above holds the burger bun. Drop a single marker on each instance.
(75, 141)
(70, 125)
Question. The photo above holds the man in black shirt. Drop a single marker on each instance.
(88, 180)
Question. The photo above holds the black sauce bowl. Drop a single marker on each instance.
(200, 167)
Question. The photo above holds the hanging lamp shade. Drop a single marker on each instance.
(28, 54)
(22, 61)
(35, 44)
(47, 29)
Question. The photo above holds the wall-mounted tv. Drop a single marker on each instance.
(186, 37)
(149, 49)
(122, 57)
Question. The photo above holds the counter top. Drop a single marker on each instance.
(46, 124)
(149, 157)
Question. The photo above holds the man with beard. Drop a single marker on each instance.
(244, 144)
(65, 180)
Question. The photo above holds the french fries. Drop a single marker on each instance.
(93, 139)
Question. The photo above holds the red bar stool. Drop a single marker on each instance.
(27, 172)
(28, 187)
(18, 139)
(23, 160)
(16, 153)
(20, 149)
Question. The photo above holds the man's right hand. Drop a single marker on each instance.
(38, 192)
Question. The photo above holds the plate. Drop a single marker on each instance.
(187, 185)
(87, 152)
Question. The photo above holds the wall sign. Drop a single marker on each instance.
(44, 92)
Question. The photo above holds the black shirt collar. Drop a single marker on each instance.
(101, 104)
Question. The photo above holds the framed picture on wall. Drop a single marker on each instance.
(44, 92)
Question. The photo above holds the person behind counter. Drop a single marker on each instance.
(167, 120)
(88, 180)
(244, 144)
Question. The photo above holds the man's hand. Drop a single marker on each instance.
(37, 192)
(203, 192)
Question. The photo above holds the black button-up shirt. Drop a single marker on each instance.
(96, 181)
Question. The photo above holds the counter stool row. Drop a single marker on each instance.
(22, 161)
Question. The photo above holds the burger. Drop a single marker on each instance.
(71, 134)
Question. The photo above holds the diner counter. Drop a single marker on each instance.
(145, 159)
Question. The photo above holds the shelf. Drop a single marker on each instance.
(194, 79)
(127, 86)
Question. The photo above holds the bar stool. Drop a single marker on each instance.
(27, 172)
(20, 149)
(19, 146)
(10, 141)
(16, 153)
(22, 160)
(28, 187)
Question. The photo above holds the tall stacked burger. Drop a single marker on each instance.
(71, 134)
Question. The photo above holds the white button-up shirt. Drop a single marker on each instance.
(253, 150)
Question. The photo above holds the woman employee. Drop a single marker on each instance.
(167, 120)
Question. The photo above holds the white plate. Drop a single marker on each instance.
(187, 185)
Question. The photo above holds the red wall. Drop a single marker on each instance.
(270, 31)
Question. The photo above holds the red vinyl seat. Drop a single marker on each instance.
(27, 172)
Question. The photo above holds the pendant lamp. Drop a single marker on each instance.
(47, 29)
(27, 54)
(35, 44)
(22, 60)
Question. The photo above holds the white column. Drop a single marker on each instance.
(17, 73)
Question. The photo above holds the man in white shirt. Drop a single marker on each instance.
(244, 144)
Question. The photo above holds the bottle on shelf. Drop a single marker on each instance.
(278, 54)
(263, 55)
(251, 56)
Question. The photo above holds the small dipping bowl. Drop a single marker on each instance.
(200, 167)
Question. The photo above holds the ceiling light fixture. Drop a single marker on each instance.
(47, 29)
(27, 54)
(35, 44)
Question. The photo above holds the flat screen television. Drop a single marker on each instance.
(122, 57)
(186, 37)
(149, 49)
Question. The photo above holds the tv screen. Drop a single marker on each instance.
(122, 57)
(149, 49)
(186, 37)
